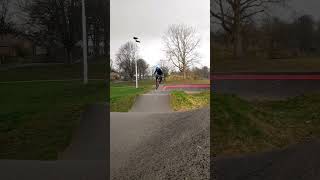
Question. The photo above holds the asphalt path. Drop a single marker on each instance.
(154, 101)
(159, 145)
(91, 136)
(266, 89)
(297, 162)
(86, 158)
(267, 86)
(53, 170)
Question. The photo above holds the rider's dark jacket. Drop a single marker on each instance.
(158, 71)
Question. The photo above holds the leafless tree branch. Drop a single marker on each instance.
(181, 43)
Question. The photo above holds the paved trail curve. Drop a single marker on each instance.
(152, 142)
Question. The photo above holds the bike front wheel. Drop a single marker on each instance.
(157, 84)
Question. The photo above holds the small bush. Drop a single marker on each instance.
(181, 101)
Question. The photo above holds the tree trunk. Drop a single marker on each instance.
(96, 40)
(71, 57)
(237, 36)
(139, 72)
(68, 55)
(106, 50)
(237, 46)
(106, 41)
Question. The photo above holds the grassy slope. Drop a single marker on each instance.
(37, 119)
(122, 95)
(242, 127)
(180, 101)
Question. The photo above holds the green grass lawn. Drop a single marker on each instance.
(240, 126)
(310, 64)
(181, 101)
(54, 72)
(123, 94)
(37, 119)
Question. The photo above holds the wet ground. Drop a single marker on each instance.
(266, 89)
(297, 162)
(152, 142)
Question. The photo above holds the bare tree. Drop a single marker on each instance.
(142, 68)
(55, 22)
(181, 43)
(96, 14)
(317, 35)
(205, 72)
(112, 69)
(166, 67)
(305, 33)
(125, 59)
(6, 26)
(232, 15)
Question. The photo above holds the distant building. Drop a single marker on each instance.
(12, 45)
(115, 75)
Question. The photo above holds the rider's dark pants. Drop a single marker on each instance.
(160, 77)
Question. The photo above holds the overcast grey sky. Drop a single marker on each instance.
(293, 8)
(149, 19)
(298, 8)
(311, 7)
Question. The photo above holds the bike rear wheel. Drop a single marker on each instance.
(157, 83)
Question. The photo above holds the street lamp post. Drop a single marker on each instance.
(137, 41)
(136, 73)
(84, 40)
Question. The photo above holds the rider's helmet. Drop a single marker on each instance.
(157, 66)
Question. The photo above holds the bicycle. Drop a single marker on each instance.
(158, 80)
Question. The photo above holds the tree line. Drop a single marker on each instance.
(234, 16)
(181, 43)
(125, 62)
(58, 23)
(6, 25)
(273, 38)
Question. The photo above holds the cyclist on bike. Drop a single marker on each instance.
(158, 73)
